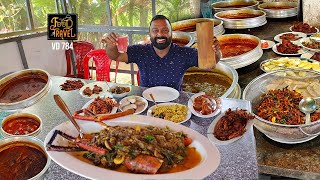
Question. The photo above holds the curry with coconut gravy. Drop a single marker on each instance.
(21, 88)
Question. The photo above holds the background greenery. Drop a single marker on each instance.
(128, 13)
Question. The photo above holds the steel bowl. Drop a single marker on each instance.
(289, 134)
(234, 5)
(224, 69)
(19, 115)
(245, 23)
(31, 100)
(33, 142)
(186, 37)
(279, 13)
(189, 25)
(245, 59)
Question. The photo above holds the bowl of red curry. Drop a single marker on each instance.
(23, 158)
(23, 88)
(21, 124)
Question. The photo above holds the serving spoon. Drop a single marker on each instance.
(62, 105)
(154, 101)
(308, 106)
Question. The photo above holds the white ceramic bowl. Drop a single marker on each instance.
(18, 115)
(196, 113)
(122, 94)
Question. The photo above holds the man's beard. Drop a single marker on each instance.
(161, 46)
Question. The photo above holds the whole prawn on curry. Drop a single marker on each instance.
(145, 149)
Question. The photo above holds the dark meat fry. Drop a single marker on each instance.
(304, 27)
(70, 85)
(287, 47)
(96, 89)
(290, 37)
(87, 91)
(232, 124)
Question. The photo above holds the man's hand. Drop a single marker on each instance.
(216, 49)
(110, 40)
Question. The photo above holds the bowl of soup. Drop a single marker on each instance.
(23, 88)
(21, 124)
(221, 81)
(23, 158)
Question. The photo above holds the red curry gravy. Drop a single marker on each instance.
(21, 160)
(21, 125)
(192, 159)
(21, 88)
(236, 47)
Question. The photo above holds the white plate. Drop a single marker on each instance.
(104, 91)
(214, 140)
(161, 94)
(188, 116)
(139, 109)
(307, 40)
(274, 49)
(307, 55)
(305, 33)
(190, 106)
(298, 34)
(270, 44)
(209, 153)
(113, 111)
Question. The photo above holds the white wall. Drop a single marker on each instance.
(39, 54)
(9, 58)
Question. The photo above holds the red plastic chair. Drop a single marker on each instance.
(138, 78)
(81, 48)
(102, 63)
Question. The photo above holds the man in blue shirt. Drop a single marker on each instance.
(161, 63)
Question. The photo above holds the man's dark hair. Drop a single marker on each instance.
(157, 17)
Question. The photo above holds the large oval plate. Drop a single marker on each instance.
(209, 153)
(188, 116)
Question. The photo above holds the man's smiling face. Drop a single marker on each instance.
(160, 34)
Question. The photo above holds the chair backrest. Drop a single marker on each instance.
(102, 63)
(81, 48)
(138, 78)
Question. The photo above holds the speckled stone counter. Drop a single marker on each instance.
(238, 160)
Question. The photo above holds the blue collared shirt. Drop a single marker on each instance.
(166, 71)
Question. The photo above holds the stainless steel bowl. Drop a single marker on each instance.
(35, 142)
(242, 23)
(225, 69)
(232, 5)
(279, 13)
(283, 133)
(31, 100)
(246, 58)
(188, 37)
(189, 25)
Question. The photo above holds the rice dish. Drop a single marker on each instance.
(175, 113)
